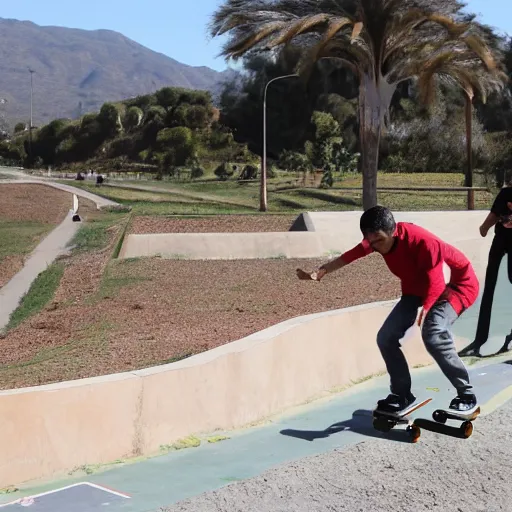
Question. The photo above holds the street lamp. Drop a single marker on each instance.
(263, 177)
(31, 71)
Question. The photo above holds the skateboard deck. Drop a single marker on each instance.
(384, 421)
(441, 416)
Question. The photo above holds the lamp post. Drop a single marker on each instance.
(31, 111)
(263, 177)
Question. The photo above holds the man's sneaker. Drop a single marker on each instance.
(472, 350)
(466, 404)
(395, 403)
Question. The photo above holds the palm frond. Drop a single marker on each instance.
(387, 41)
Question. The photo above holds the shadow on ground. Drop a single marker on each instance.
(360, 423)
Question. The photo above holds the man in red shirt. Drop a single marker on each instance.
(416, 256)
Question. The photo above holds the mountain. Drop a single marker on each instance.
(76, 71)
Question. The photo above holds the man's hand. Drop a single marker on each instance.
(484, 230)
(311, 276)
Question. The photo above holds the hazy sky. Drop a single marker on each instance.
(176, 28)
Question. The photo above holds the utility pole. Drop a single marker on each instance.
(31, 112)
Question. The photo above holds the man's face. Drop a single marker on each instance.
(380, 241)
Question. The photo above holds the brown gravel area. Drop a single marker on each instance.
(27, 202)
(42, 205)
(218, 224)
(148, 312)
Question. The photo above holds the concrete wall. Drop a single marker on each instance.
(46, 431)
(223, 246)
(328, 233)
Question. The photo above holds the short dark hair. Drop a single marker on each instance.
(378, 218)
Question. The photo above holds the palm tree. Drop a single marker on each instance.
(473, 77)
(383, 42)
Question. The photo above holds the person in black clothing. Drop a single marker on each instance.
(500, 216)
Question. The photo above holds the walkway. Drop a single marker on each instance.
(20, 177)
(46, 252)
(318, 428)
(335, 423)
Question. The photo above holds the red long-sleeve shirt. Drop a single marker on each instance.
(417, 260)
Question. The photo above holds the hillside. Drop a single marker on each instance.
(171, 129)
(76, 71)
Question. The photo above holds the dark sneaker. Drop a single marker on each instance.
(395, 403)
(466, 404)
(472, 350)
(507, 345)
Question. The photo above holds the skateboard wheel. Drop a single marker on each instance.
(467, 429)
(382, 425)
(439, 416)
(414, 433)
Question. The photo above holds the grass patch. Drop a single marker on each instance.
(211, 196)
(20, 238)
(115, 278)
(93, 234)
(217, 439)
(110, 286)
(120, 240)
(40, 293)
(90, 469)
(181, 444)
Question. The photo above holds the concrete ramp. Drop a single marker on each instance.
(302, 223)
(223, 246)
(312, 235)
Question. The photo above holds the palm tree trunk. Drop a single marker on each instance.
(469, 150)
(370, 120)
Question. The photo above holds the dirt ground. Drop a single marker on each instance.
(27, 202)
(43, 207)
(217, 224)
(439, 473)
(147, 312)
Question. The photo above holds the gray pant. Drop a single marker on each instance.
(436, 337)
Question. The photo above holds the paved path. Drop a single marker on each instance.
(19, 177)
(45, 253)
(317, 428)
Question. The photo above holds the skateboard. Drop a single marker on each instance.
(441, 416)
(384, 421)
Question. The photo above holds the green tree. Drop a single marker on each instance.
(168, 97)
(178, 143)
(133, 118)
(109, 119)
(411, 36)
(327, 151)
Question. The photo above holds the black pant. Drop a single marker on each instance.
(501, 245)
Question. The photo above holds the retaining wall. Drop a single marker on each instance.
(47, 431)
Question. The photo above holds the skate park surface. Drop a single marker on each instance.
(336, 421)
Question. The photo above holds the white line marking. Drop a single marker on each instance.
(96, 486)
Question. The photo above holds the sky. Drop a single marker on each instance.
(177, 28)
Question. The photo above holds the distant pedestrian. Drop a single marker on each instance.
(500, 216)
